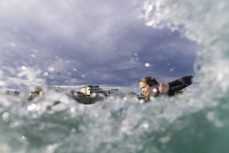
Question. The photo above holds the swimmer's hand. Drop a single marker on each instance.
(163, 88)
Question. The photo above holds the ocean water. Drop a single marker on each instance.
(194, 123)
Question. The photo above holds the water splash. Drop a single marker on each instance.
(189, 123)
(202, 22)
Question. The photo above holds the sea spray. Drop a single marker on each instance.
(194, 123)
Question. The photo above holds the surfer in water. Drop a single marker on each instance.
(151, 88)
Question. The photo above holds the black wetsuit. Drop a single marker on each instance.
(174, 87)
(179, 84)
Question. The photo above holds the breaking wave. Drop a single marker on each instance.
(188, 123)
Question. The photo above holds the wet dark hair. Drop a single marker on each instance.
(151, 81)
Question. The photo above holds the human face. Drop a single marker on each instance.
(146, 89)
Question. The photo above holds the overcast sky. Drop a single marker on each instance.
(76, 42)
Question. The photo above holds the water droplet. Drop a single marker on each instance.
(31, 107)
(5, 116)
(51, 69)
(220, 76)
(145, 125)
(147, 64)
(23, 68)
(46, 74)
(93, 95)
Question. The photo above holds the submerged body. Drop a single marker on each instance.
(151, 88)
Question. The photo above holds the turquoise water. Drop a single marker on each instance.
(195, 123)
(118, 125)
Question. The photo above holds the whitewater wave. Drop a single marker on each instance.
(188, 123)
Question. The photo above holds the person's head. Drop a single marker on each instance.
(146, 84)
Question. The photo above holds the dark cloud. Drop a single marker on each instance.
(89, 42)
